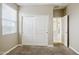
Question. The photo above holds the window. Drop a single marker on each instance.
(8, 20)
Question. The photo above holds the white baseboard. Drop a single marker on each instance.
(50, 45)
(38, 45)
(35, 44)
(20, 45)
(74, 50)
(10, 50)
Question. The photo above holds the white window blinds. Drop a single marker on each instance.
(9, 20)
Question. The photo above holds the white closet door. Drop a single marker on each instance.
(35, 30)
(41, 36)
(65, 30)
(27, 37)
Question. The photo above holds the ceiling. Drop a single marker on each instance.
(55, 5)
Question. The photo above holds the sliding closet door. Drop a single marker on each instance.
(35, 30)
(41, 36)
(27, 37)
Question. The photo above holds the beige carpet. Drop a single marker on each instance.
(42, 50)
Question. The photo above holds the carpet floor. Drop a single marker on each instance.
(42, 50)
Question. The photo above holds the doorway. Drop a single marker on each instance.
(57, 30)
(61, 30)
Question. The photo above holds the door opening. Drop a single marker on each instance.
(61, 30)
(57, 30)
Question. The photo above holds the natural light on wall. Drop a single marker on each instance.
(57, 29)
(8, 20)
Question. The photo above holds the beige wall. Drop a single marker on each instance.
(73, 12)
(10, 40)
(59, 12)
(0, 24)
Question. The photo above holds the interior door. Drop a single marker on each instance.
(65, 30)
(35, 30)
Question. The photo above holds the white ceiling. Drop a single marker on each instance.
(57, 5)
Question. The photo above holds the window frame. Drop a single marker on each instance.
(11, 19)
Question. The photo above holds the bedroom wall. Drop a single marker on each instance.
(73, 12)
(0, 24)
(10, 40)
(58, 12)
